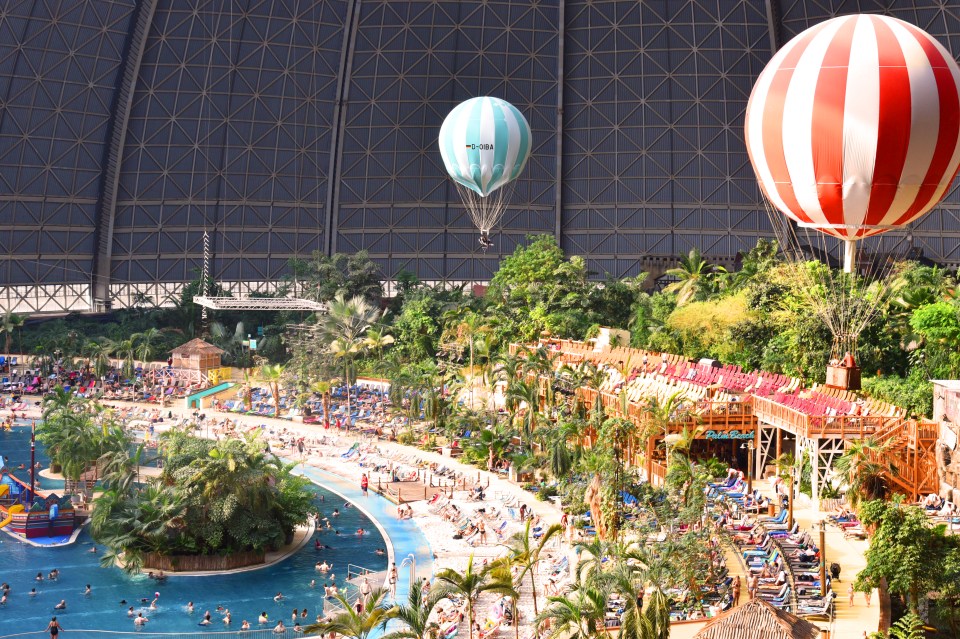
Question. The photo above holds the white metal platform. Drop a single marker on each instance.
(259, 304)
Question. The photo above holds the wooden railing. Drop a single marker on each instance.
(658, 473)
(910, 450)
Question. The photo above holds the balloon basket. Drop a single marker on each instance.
(843, 377)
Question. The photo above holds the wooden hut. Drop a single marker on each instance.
(757, 619)
(197, 355)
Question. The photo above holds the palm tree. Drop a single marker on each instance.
(523, 391)
(272, 374)
(471, 584)
(344, 327)
(323, 389)
(352, 624)
(377, 339)
(470, 328)
(99, 356)
(8, 324)
(658, 416)
(415, 614)
(146, 342)
(523, 552)
(579, 614)
(693, 274)
(346, 351)
(859, 470)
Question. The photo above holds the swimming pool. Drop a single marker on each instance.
(245, 594)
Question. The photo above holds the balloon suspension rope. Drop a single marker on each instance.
(847, 300)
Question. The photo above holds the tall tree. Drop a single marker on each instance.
(9, 323)
(343, 329)
(860, 470)
(472, 583)
(693, 276)
(415, 613)
(524, 552)
(351, 624)
(579, 614)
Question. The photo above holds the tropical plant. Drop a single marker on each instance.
(343, 329)
(860, 470)
(146, 343)
(524, 552)
(272, 374)
(579, 614)
(909, 626)
(9, 323)
(693, 276)
(415, 613)
(472, 583)
(356, 625)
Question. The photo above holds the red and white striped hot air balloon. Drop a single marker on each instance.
(853, 128)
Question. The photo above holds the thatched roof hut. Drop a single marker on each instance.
(757, 619)
(196, 355)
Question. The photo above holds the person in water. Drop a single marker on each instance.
(54, 628)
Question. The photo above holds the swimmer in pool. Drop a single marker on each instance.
(262, 619)
(140, 620)
(87, 590)
(336, 513)
(190, 606)
(380, 551)
(245, 625)
(278, 596)
(361, 531)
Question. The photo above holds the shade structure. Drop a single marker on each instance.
(757, 619)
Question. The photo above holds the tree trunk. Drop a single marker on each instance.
(326, 409)
(594, 497)
(533, 591)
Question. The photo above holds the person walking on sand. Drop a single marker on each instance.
(851, 592)
(364, 484)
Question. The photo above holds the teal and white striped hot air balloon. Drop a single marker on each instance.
(485, 143)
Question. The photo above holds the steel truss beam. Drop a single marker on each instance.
(258, 304)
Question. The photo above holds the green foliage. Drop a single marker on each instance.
(323, 277)
(77, 432)
(906, 550)
(212, 498)
(708, 328)
(914, 393)
(538, 289)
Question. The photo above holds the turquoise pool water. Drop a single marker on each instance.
(245, 594)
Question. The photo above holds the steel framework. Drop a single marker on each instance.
(129, 128)
(258, 304)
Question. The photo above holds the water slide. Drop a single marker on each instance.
(16, 508)
(193, 401)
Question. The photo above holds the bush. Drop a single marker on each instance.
(914, 393)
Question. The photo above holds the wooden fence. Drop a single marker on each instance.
(201, 563)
